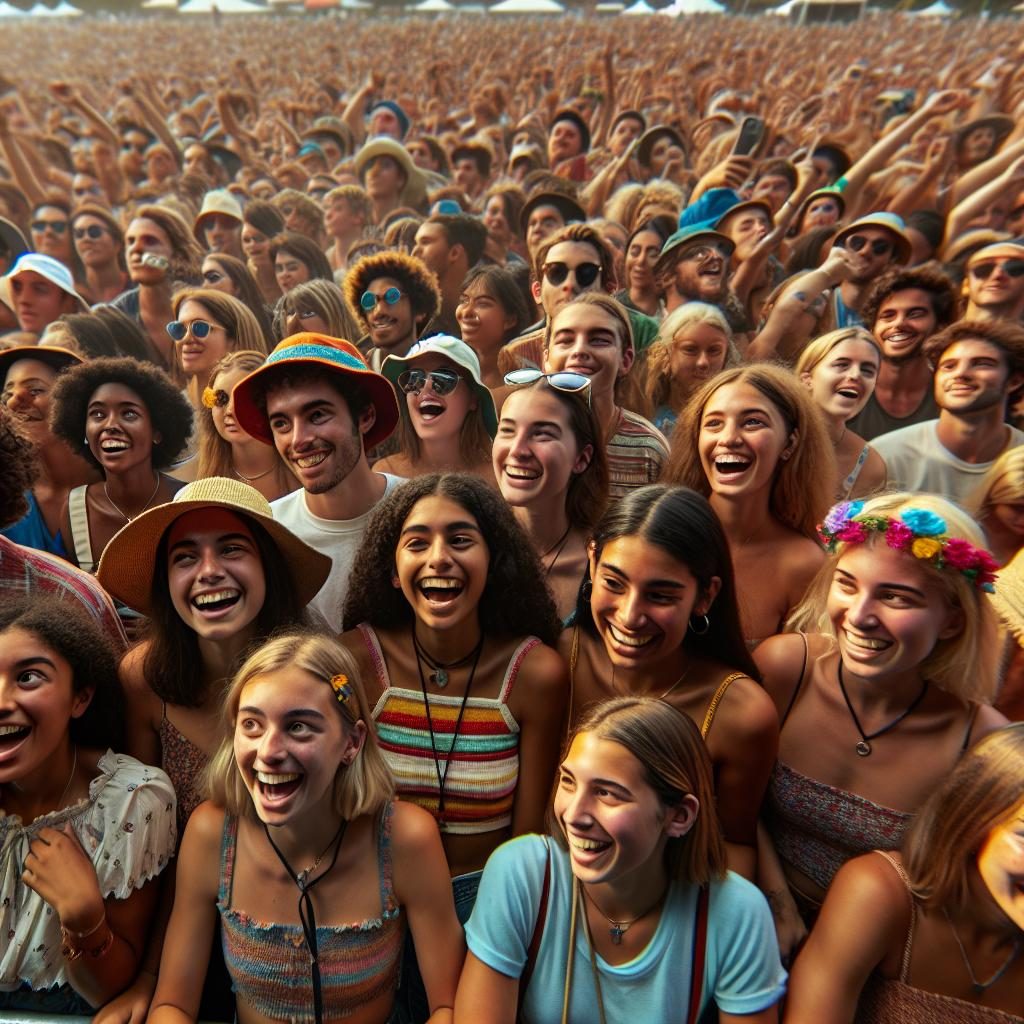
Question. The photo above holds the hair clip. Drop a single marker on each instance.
(342, 687)
(212, 398)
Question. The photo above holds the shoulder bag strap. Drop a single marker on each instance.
(538, 932)
(700, 939)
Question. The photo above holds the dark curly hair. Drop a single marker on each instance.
(168, 408)
(418, 282)
(516, 600)
(78, 639)
(928, 277)
(18, 458)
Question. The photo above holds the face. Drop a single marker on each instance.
(433, 248)
(95, 244)
(574, 255)
(774, 189)
(564, 141)
(303, 316)
(196, 160)
(1010, 515)
(971, 376)
(385, 122)
(37, 301)
(84, 187)
(467, 175)
(289, 271)
(483, 322)
(628, 129)
(315, 434)
(290, 741)
(662, 153)
(700, 272)
(887, 612)
(160, 164)
(51, 232)
(119, 429)
(146, 236)
(384, 178)
(222, 233)
(37, 701)
(642, 254)
(978, 144)
(698, 353)
(742, 440)
(496, 221)
(422, 156)
(989, 285)
(867, 263)
(441, 562)
(264, 189)
(436, 417)
(224, 421)
(26, 396)
(215, 277)
(821, 212)
(215, 573)
(198, 356)
(390, 327)
(1001, 866)
(535, 453)
(340, 219)
(133, 148)
(255, 244)
(586, 340)
(746, 229)
(904, 322)
(845, 379)
(542, 222)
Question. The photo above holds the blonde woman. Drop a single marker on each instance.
(840, 369)
(998, 505)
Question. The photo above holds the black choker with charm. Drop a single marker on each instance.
(439, 669)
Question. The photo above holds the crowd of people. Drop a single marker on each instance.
(525, 531)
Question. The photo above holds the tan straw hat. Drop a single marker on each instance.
(126, 567)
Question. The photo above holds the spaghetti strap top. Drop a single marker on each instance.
(847, 485)
(78, 517)
(269, 963)
(709, 715)
(183, 762)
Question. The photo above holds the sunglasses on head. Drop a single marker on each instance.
(982, 271)
(369, 301)
(584, 273)
(562, 380)
(442, 382)
(212, 399)
(880, 246)
(200, 329)
(58, 227)
(93, 231)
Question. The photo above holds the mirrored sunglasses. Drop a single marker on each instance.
(983, 271)
(93, 231)
(442, 382)
(178, 330)
(369, 301)
(562, 380)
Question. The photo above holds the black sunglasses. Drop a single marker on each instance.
(442, 382)
(1015, 268)
(93, 231)
(584, 273)
(58, 227)
(880, 246)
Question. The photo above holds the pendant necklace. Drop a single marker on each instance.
(125, 517)
(619, 928)
(258, 476)
(863, 746)
(557, 547)
(981, 986)
(440, 669)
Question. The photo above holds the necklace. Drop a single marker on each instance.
(560, 545)
(258, 476)
(863, 747)
(439, 675)
(619, 928)
(67, 785)
(442, 777)
(839, 440)
(663, 695)
(981, 986)
(123, 515)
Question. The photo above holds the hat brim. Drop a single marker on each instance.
(56, 358)
(903, 247)
(415, 190)
(566, 205)
(651, 136)
(689, 239)
(126, 565)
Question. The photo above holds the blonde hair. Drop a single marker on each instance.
(676, 764)
(363, 787)
(965, 665)
(243, 329)
(327, 300)
(984, 789)
(1003, 484)
(816, 350)
(803, 486)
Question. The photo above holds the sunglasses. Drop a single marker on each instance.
(442, 382)
(214, 399)
(701, 253)
(58, 227)
(93, 231)
(138, 147)
(369, 301)
(200, 329)
(880, 246)
(585, 273)
(562, 380)
(983, 271)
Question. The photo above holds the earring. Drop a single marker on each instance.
(700, 632)
(396, 582)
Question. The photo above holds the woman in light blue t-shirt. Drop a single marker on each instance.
(627, 911)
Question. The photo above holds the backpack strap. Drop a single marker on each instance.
(700, 941)
(538, 932)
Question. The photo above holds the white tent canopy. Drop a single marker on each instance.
(640, 7)
(527, 7)
(223, 6)
(7, 11)
(434, 5)
(694, 7)
(939, 9)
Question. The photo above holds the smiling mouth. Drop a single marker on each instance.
(440, 589)
(430, 410)
(586, 845)
(277, 786)
(216, 600)
(851, 393)
(12, 735)
(866, 643)
(309, 461)
(730, 465)
(521, 473)
(627, 639)
(114, 444)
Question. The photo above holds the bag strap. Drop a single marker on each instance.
(538, 931)
(700, 940)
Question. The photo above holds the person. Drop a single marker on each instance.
(471, 166)
(84, 831)
(301, 805)
(935, 931)
(99, 243)
(694, 267)
(592, 336)
(643, 250)
(978, 364)
(207, 325)
(502, 207)
(389, 176)
(997, 505)
(657, 617)
(224, 448)
(629, 902)
(491, 312)
(41, 290)
(447, 418)
(322, 408)
(105, 331)
(218, 226)
(544, 213)
(904, 308)
(135, 422)
(840, 370)
(260, 223)
(316, 306)
(552, 469)
(878, 241)
(346, 215)
(450, 245)
(753, 442)
(994, 284)
(881, 688)
(297, 259)
(50, 235)
(232, 276)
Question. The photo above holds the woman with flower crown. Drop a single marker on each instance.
(881, 687)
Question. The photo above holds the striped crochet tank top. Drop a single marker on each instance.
(483, 759)
(269, 963)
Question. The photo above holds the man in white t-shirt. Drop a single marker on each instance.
(320, 405)
(977, 364)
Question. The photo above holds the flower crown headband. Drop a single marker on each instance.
(922, 533)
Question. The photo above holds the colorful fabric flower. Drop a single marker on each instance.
(926, 548)
(898, 535)
(852, 533)
(960, 554)
(841, 513)
(923, 522)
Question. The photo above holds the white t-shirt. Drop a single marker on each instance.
(338, 538)
(916, 461)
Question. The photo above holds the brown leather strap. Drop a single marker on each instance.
(538, 933)
(700, 941)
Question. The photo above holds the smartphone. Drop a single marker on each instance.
(750, 137)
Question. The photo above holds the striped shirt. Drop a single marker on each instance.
(637, 453)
